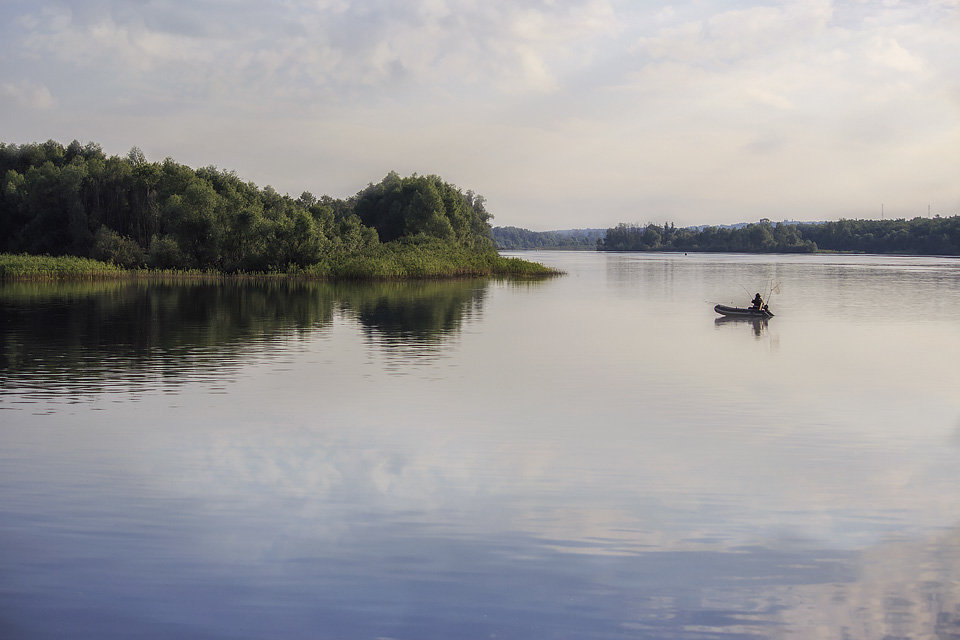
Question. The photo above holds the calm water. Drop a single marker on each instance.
(593, 456)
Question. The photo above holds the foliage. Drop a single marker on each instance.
(421, 258)
(45, 267)
(920, 236)
(77, 201)
(423, 205)
(517, 238)
(110, 246)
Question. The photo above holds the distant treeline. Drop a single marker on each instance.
(517, 238)
(919, 236)
(75, 200)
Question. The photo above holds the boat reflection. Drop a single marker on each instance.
(759, 324)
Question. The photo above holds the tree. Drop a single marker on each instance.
(135, 157)
(423, 206)
(110, 246)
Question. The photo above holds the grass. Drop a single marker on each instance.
(391, 261)
(27, 267)
(422, 261)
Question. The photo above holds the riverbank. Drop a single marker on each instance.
(392, 261)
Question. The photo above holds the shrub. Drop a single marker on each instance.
(110, 246)
(164, 253)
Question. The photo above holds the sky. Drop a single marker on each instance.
(561, 113)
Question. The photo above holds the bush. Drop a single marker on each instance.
(165, 253)
(110, 246)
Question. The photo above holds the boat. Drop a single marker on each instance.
(738, 312)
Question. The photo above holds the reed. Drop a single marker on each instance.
(389, 261)
(28, 267)
(421, 261)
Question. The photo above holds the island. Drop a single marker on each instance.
(73, 211)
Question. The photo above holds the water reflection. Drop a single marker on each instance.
(758, 324)
(92, 335)
(902, 589)
(570, 459)
(403, 314)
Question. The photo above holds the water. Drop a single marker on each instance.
(593, 456)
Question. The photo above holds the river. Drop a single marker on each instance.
(590, 456)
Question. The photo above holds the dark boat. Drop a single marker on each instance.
(737, 312)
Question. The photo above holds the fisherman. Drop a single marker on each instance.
(757, 303)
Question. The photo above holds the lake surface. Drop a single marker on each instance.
(592, 456)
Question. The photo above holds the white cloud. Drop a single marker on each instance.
(28, 95)
(117, 45)
(891, 54)
(338, 46)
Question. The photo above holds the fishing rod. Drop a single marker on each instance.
(774, 288)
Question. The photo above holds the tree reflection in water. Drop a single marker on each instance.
(87, 336)
(412, 322)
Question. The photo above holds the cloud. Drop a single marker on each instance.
(28, 95)
(111, 40)
(713, 40)
(322, 48)
(889, 52)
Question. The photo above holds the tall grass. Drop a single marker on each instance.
(27, 267)
(30, 267)
(390, 261)
(428, 260)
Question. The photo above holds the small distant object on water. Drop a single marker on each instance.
(757, 309)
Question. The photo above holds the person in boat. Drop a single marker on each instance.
(757, 303)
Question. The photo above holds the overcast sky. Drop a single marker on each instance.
(562, 113)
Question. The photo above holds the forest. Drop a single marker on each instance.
(75, 200)
(919, 236)
(517, 238)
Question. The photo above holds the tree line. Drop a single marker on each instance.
(517, 238)
(919, 236)
(75, 200)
